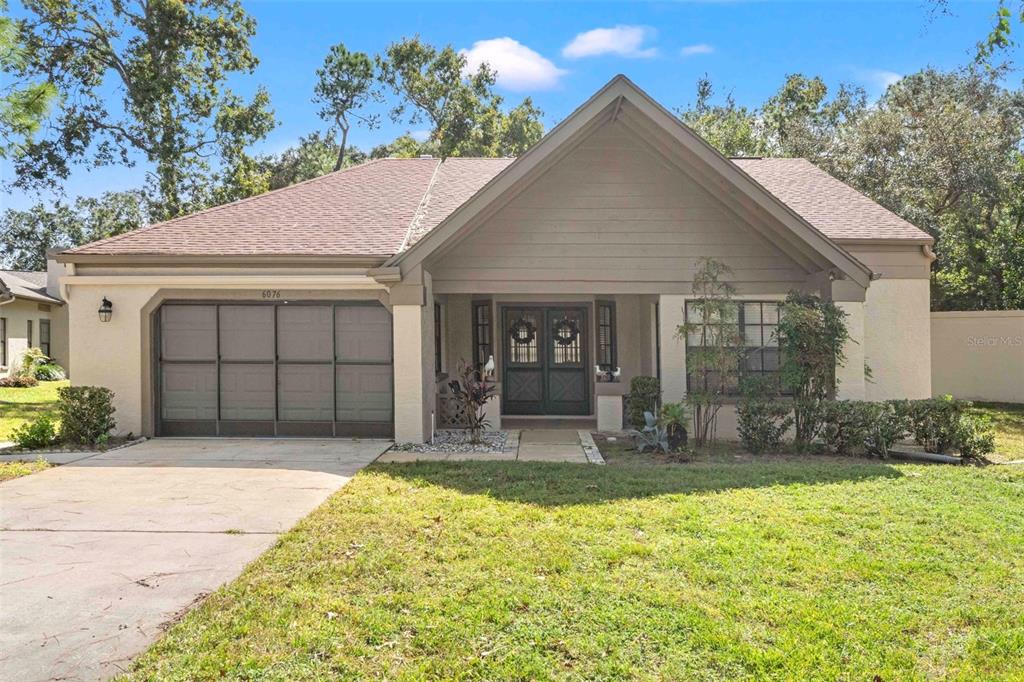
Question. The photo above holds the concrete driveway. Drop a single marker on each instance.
(96, 556)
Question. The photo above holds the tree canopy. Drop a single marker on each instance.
(944, 150)
(169, 62)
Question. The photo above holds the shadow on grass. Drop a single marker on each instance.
(573, 484)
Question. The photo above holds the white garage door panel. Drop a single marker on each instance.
(364, 393)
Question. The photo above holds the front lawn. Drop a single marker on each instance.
(1008, 423)
(20, 405)
(778, 568)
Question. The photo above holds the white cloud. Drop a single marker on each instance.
(518, 67)
(877, 79)
(420, 135)
(622, 40)
(699, 48)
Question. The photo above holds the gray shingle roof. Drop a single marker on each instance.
(382, 207)
(28, 285)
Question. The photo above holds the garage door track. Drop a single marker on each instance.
(96, 556)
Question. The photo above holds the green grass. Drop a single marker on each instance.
(9, 470)
(1008, 421)
(825, 569)
(20, 405)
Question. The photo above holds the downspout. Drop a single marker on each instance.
(926, 249)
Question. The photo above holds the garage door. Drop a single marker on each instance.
(284, 369)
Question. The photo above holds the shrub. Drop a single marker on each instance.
(846, 425)
(644, 396)
(762, 419)
(675, 417)
(86, 413)
(888, 424)
(934, 421)
(975, 438)
(19, 381)
(50, 371)
(34, 435)
(473, 392)
(944, 425)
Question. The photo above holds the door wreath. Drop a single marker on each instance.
(522, 331)
(566, 331)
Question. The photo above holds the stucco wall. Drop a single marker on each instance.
(117, 354)
(17, 313)
(978, 355)
(897, 339)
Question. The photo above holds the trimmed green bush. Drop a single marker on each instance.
(846, 425)
(34, 435)
(86, 414)
(888, 425)
(50, 371)
(762, 419)
(644, 396)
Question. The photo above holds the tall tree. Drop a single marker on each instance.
(345, 83)
(436, 87)
(169, 62)
(24, 102)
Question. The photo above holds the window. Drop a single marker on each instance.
(44, 337)
(481, 332)
(3, 341)
(607, 351)
(438, 368)
(757, 321)
(29, 333)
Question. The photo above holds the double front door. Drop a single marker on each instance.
(544, 353)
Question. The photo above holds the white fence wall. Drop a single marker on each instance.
(979, 355)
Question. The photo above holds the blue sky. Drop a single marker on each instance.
(559, 54)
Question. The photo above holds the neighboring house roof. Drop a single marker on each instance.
(27, 285)
(832, 206)
(385, 207)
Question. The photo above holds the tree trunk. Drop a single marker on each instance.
(341, 151)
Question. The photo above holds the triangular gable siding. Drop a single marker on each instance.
(611, 213)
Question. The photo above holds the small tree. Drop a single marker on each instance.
(473, 391)
(811, 335)
(714, 346)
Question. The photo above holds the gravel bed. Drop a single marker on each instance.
(457, 440)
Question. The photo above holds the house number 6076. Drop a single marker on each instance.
(271, 293)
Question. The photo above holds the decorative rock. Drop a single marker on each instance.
(457, 440)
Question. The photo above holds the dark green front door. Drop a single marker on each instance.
(544, 352)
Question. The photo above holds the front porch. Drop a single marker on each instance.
(560, 362)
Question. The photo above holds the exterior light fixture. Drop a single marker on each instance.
(106, 310)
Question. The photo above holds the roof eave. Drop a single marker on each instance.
(234, 260)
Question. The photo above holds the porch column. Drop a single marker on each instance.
(413, 340)
(850, 377)
(673, 349)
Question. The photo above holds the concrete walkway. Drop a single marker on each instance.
(96, 556)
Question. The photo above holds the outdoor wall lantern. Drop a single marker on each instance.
(106, 310)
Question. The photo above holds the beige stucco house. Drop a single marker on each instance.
(339, 305)
(31, 315)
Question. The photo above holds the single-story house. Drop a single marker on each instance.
(339, 305)
(32, 315)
